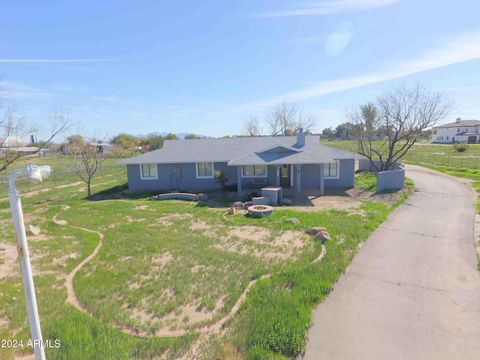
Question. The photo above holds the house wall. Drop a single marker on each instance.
(187, 181)
(310, 177)
(453, 134)
(346, 178)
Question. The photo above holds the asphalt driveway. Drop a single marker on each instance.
(413, 290)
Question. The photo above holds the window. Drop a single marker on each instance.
(435, 132)
(148, 172)
(331, 170)
(204, 170)
(254, 171)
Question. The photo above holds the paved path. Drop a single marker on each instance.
(412, 291)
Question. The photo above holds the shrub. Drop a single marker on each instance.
(221, 178)
(460, 147)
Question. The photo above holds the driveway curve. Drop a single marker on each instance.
(413, 290)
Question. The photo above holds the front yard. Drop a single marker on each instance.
(168, 275)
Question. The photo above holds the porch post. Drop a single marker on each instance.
(239, 180)
(322, 179)
(277, 178)
(298, 168)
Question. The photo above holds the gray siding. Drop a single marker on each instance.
(310, 177)
(187, 182)
(347, 176)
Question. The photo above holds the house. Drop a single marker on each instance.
(460, 131)
(298, 162)
(19, 150)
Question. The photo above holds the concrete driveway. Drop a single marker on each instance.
(413, 290)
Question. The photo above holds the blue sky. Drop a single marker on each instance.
(207, 66)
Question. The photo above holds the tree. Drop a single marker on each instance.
(16, 130)
(75, 139)
(287, 119)
(252, 127)
(171, 136)
(329, 133)
(87, 160)
(402, 114)
(191, 136)
(125, 141)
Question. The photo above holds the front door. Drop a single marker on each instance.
(285, 172)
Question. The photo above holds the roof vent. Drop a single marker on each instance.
(458, 120)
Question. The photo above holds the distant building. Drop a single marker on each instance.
(21, 150)
(460, 131)
(15, 141)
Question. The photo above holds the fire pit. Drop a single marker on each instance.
(259, 210)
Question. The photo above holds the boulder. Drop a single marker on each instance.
(293, 221)
(247, 204)
(313, 231)
(320, 233)
(238, 205)
(322, 236)
(201, 197)
(33, 230)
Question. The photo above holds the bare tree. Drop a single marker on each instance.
(87, 160)
(252, 127)
(17, 132)
(389, 127)
(287, 119)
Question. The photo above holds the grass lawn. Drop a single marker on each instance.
(427, 154)
(173, 266)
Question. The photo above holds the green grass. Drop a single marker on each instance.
(130, 273)
(429, 154)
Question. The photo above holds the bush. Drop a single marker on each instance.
(221, 178)
(460, 147)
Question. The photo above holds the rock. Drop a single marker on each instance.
(293, 221)
(33, 230)
(232, 211)
(313, 231)
(322, 236)
(320, 233)
(247, 204)
(285, 202)
(202, 197)
(237, 205)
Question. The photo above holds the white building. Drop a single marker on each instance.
(460, 131)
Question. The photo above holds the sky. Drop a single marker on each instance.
(208, 66)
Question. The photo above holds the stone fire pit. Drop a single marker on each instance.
(260, 210)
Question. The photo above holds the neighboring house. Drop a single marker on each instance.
(298, 162)
(24, 150)
(460, 131)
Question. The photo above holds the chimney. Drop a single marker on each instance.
(458, 120)
(300, 138)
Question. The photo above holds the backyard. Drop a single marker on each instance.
(167, 277)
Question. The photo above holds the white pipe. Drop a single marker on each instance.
(24, 258)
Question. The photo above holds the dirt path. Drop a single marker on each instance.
(164, 332)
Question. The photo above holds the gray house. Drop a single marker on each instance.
(298, 162)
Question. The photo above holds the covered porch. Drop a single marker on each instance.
(292, 178)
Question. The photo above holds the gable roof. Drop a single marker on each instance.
(243, 151)
(460, 123)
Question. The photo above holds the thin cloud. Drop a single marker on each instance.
(338, 40)
(53, 61)
(454, 50)
(327, 8)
